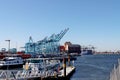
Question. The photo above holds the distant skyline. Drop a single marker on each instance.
(90, 22)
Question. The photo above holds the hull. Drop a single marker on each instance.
(11, 66)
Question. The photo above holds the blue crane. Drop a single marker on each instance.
(48, 45)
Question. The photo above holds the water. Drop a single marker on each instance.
(94, 67)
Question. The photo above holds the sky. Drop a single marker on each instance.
(90, 22)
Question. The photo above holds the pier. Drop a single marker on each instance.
(31, 75)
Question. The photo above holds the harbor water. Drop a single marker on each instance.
(94, 67)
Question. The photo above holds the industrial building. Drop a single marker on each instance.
(72, 48)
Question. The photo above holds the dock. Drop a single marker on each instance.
(69, 70)
(35, 75)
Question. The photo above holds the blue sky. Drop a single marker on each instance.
(91, 22)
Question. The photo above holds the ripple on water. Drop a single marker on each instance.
(94, 67)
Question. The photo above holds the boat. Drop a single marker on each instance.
(42, 65)
(23, 55)
(11, 62)
(86, 52)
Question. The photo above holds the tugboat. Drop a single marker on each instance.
(11, 62)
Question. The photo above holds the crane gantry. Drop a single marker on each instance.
(48, 45)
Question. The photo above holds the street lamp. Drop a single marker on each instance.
(8, 52)
(8, 45)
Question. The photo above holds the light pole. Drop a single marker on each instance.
(8, 52)
(8, 45)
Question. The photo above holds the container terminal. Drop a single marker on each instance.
(38, 59)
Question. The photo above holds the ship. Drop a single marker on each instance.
(41, 64)
(86, 52)
(21, 54)
(11, 62)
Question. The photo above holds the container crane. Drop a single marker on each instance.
(48, 45)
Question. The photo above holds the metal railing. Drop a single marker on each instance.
(24, 74)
